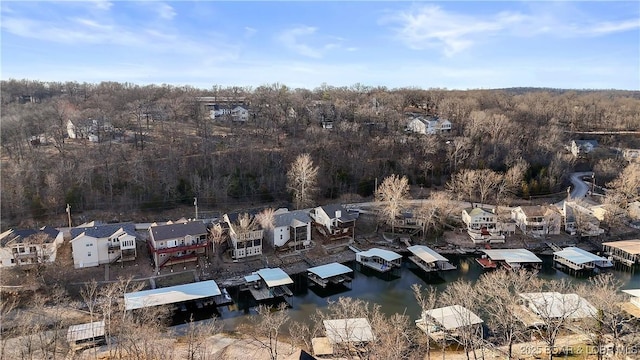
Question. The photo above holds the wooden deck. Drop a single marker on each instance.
(265, 293)
(377, 266)
(487, 263)
(334, 280)
(425, 267)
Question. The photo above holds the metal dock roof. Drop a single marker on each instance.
(453, 317)
(171, 294)
(330, 270)
(348, 330)
(578, 256)
(381, 253)
(513, 255)
(274, 277)
(85, 331)
(426, 253)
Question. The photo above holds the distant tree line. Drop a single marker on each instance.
(163, 148)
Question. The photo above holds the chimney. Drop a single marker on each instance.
(338, 214)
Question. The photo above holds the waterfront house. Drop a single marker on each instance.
(626, 252)
(429, 260)
(199, 293)
(86, 335)
(99, 244)
(268, 283)
(333, 273)
(379, 259)
(443, 323)
(291, 229)
(482, 225)
(509, 259)
(239, 114)
(245, 235)
(334, 222)
(29, 246)
(177, 243)
(635, 296)
(581, 217)
(537, 220)
(545, 306)
(577, 260)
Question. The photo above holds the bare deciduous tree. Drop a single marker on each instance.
(392, 195)
(266, 328)
(302, 181)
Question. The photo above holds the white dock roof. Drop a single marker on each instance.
(632, 292)
(348, 330)
(381, 253)
(426, 253)
(453, 317)
(85, 331)
(330, 270)
(630, 246)
(171, 294)
(556, 305)
(578, 256)
(274, 277)
(513, 255)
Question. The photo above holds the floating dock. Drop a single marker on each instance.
(333, 273)
(268, 283)
(577, 260)
(379, 259)
(429, 260)
(509, 259)
(626, 252)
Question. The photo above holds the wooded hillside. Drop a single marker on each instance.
(162, 148)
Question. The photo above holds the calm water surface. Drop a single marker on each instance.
(391, 291)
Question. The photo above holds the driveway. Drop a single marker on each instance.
(579, 188)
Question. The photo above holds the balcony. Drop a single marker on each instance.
(199, 245)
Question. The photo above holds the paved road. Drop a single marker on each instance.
(579, 188)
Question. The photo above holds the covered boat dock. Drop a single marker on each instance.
(333, 273)
(576, 259)
(509, 259)
(626, 252)
(268, 283)
(429, 260)
(203, 290)
(379, 259)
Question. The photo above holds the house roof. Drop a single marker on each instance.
(513, 255)
(348, 330)
(330, 270)
(381, 253)
(533, 210)
(453, 317)
(291, 218)
(85, 331)
(426, 254)
(478, 211)
(171, 294)
(178, 230)
(274, 277)
(20, 235)
(593, 143)
(103, 231)
(555, 305)
(331, 209)
(632, 292)
(629, 246)
(578, 256)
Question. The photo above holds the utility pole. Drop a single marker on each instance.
(69, 214)
(593, 183)
(195, 203)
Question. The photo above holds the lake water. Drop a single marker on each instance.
(391, 291)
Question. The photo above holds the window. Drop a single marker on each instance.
(89, 244)
(13, 261)
(89, 253)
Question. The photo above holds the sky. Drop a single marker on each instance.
(304, 44)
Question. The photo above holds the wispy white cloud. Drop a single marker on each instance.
(300, 39)
(102, 4)
(430, 26)
(165, 11)
(249, 31)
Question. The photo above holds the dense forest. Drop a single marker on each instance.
(161, 147)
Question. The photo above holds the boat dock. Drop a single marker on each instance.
(577, 260)
(333, 273)
(268, 283)
(429, 260)
(509, 259)
(178, 295)
(626, 252)
(379, 260)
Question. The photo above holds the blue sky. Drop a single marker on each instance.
(454, 44)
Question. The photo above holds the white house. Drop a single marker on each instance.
(290, 229)
(537, 220)
(243, 242)
(334, 221)
(28, 246)
(579, 217)
(429, 126)
(581, 147)
(239, 113)
(88, 129)
(103, 244)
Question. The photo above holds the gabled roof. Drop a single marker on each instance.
(330, 270)
(426, 254)
(578, 256)
(555, 305)
(103, 231)
(331, 209)
(274, 277)
(291, 218)
(630, 246)
(478, 211)
(348, 330)
(171, 294)
(178, 230)
(532, 211)
(20, 235)
(632, 292)
(381, 253)
(513, 255)
(453, 317)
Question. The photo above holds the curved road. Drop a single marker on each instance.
(579, 188)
